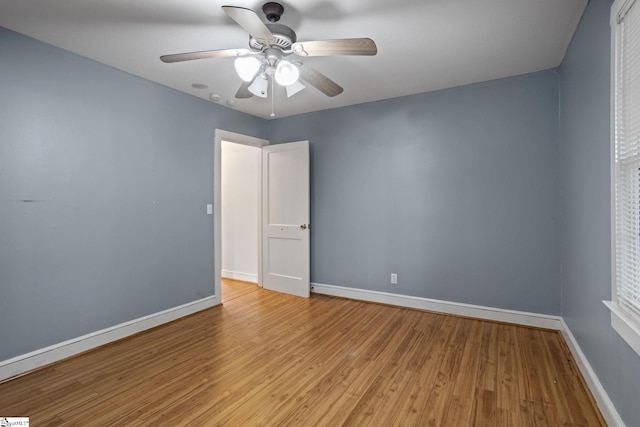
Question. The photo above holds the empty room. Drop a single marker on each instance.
(320, 213)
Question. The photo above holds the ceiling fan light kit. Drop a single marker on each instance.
(247, 67)
(270, 44)
(260, 86)
(294, 88)
(286, 73)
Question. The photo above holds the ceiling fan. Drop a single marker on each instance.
(269, 47)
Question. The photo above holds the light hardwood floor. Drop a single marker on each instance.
(270, 359)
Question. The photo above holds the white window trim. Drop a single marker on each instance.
(624, 323)
(624, 326)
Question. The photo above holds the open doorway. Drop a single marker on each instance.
(237, 207)
(240, 211)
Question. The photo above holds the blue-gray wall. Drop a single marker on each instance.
(104, 178)
(586, 195)
(457, 191)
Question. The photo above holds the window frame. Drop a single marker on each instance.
(624, 322)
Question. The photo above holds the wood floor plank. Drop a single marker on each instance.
(462, 402)
(264, 358)
(485, 411)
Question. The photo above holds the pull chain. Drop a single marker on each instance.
(273, 92)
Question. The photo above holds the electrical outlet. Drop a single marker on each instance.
(394, 278)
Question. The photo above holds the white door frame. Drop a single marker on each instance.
(223, 135)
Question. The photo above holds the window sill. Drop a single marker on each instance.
(624, 326)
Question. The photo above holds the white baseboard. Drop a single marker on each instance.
(235, 275)
(488, 313)
(605, 404)
(27, 362)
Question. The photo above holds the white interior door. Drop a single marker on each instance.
(285, 218)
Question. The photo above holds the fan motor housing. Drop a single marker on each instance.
(284, 36)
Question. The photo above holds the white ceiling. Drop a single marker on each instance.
(423, 45)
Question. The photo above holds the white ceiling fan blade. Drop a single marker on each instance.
(251, 23)
(364, 46)
(318, 80)
(189, 56)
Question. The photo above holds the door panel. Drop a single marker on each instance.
(285, 257)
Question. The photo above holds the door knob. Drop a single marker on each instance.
(303, 226)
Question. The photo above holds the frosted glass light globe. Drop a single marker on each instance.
(247, 67)
(286, 73)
